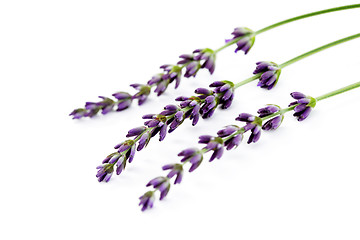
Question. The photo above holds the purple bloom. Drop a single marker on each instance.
(147, 200)
(233, 141)
(78, 113)
(303, 105)
(207, 56)
(193, 155)
(270, 73)
(274, 122)
(92, 108)
(162, 184)
(176, 169)
(225, 92)
(244, 38)
(215, 144)
(142, 94)
(136, 131)
(120, 165)
(105, 172)
(191, 69)
(253, 124)
(227, 131)
(143, 141)
(234, 135)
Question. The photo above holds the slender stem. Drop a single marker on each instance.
(248, 80)
(291, 20)
(339, 91)
(227, 44)
(282, 111)
(306, 16)
(288, 109)
(302, 56)
(319, 49)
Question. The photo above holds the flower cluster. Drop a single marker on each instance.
(270, 73)
(227, 138)
(192, 63)
(202, 105)
(274, 122)
(304, 105)
(244, 38)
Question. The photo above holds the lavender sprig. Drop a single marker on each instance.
(204, 105)
(227, 138)
(243, 37)
(232, 135)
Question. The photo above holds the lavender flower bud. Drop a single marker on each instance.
(215, 144)
(92, 108)
(176, 169)
(193, 155)
(304, 105)
(142, 94)
(225, 92)
(143, 141)
(136, 131)
(147, 200)
(78, 113)
(120, 165)
(191, 69)
(254, 125)
(233, 141)
(270, 73)
(207, 56)
(162, 184)
(244, 38)
(105, 172)
(227, 131)
(274, 122)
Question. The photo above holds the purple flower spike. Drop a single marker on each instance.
(245, 117)
(142, 94)
(304, 105)
(192, 155)
(143, 141)
(255, 134)
(207, 56)
(270, 73)
(274, 122)
(105, 172)
(136, 131)
(253, 124)
(147, 200)
(92, 108)
(233, 141)
(191, 69)
(225, 92)
(78, 113)
(244, 38)
(162, 184)
(176, 169)
(227, 131)
(215, 144)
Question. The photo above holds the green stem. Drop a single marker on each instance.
(288, 109)
(227, 44)
(319, 49)
(302, 56)
(306, 16)
(291, 20)
(248, 80)
(338, 91)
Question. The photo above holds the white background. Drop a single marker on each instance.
(300, 182)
